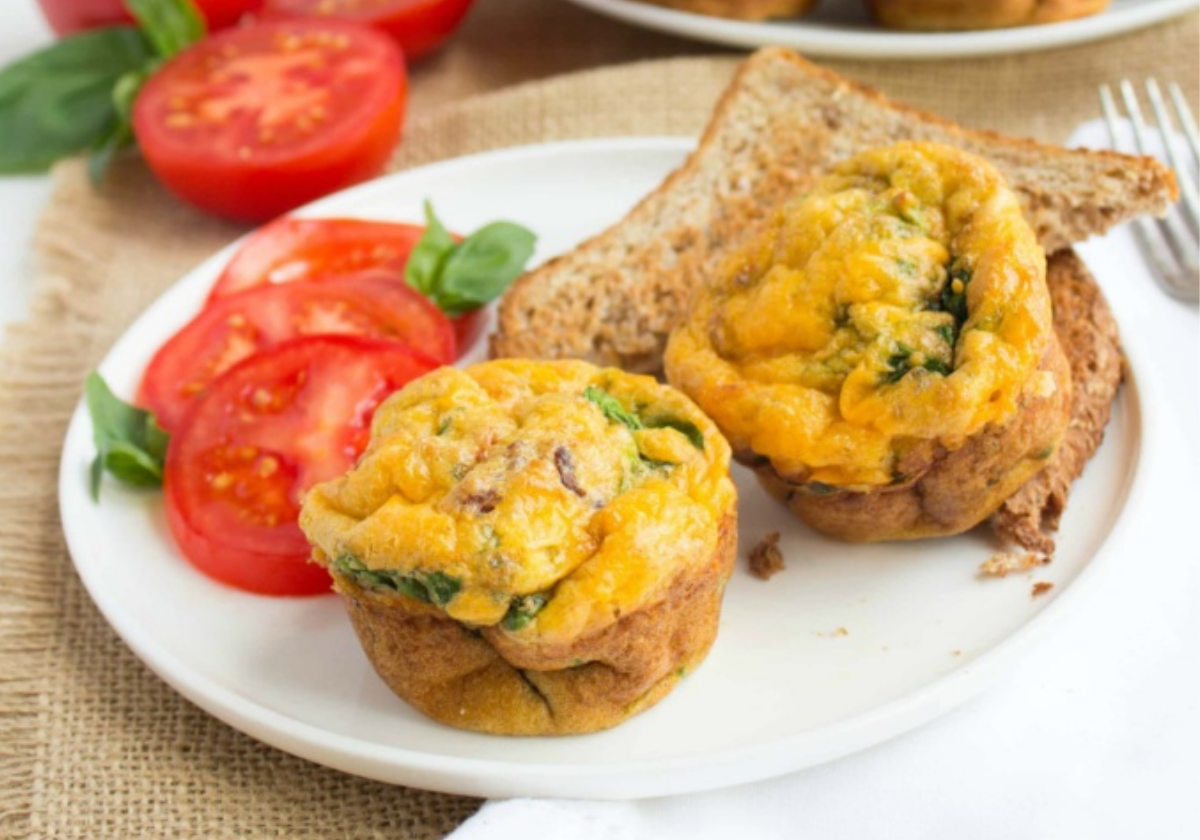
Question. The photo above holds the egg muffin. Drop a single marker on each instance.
(532, 548)
(883, 354)
(946, 15)
(740, 9)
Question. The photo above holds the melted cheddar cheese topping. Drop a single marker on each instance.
(545, 497)
(903, 299)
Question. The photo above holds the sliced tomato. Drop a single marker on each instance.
(265, 432)
(419, 26)
(255, 121)
(468, 329)
(290, 249)
(233, 328)
(67, 16)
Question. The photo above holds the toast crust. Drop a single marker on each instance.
(1088, 332)
(779, 124)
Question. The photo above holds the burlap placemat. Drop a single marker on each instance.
(93, 745)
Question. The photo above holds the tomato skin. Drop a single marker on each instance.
(267, 430)
(255, 121)
(234, 327)
(67, 16)
(289, 250)
(468, 329)
(418, 26)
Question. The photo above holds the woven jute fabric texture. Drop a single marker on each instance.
(92, 745)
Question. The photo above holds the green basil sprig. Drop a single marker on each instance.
(129, 442)
(611, 408)
(76, 94)
(461, 276)
(171, 26)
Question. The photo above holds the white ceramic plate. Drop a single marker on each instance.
(849, 646)
(845, 28)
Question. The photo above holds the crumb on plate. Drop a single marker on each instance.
(765, 558)
(1041, 587)
(1006, 562)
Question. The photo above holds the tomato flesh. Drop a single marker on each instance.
(289, 250)
(258, 120)
(67, 16)
(235, 327)
(264, 432)
(418, 26)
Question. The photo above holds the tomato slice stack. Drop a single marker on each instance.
(236, 327)
(270, 428)
(271, 389)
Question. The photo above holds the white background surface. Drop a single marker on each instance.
(22, 198)
(1095, 735)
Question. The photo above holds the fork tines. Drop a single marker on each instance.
(1172, 243)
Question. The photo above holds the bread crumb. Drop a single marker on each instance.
(765, 558)
(1041, 588)
(1007, 562)
(956, 652)
(841, 631)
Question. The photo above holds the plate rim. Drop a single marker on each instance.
(622, 780)
(825, 41)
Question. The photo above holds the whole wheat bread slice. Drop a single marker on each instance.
(781, 122)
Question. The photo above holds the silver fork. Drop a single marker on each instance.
(1171, 243)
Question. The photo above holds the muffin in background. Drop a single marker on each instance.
(740, 9)
(949, 15)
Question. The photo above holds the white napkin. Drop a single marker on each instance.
(1093, 736)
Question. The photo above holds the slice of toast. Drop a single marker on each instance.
(780, 123)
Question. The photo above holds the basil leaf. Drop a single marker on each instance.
(59, 100)
(170, 26)
(482, 266)
(441, 587)
(118, 138)
(523, 610)
(685, 427)
(129, 442)
(612, 408)
(429, 255)
(436, 588)
(461, 276)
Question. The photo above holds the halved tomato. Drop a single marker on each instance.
(67, 16)
(255, 121)
(419, 26)
(291, 249)
(233, 328)
(265, 432)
